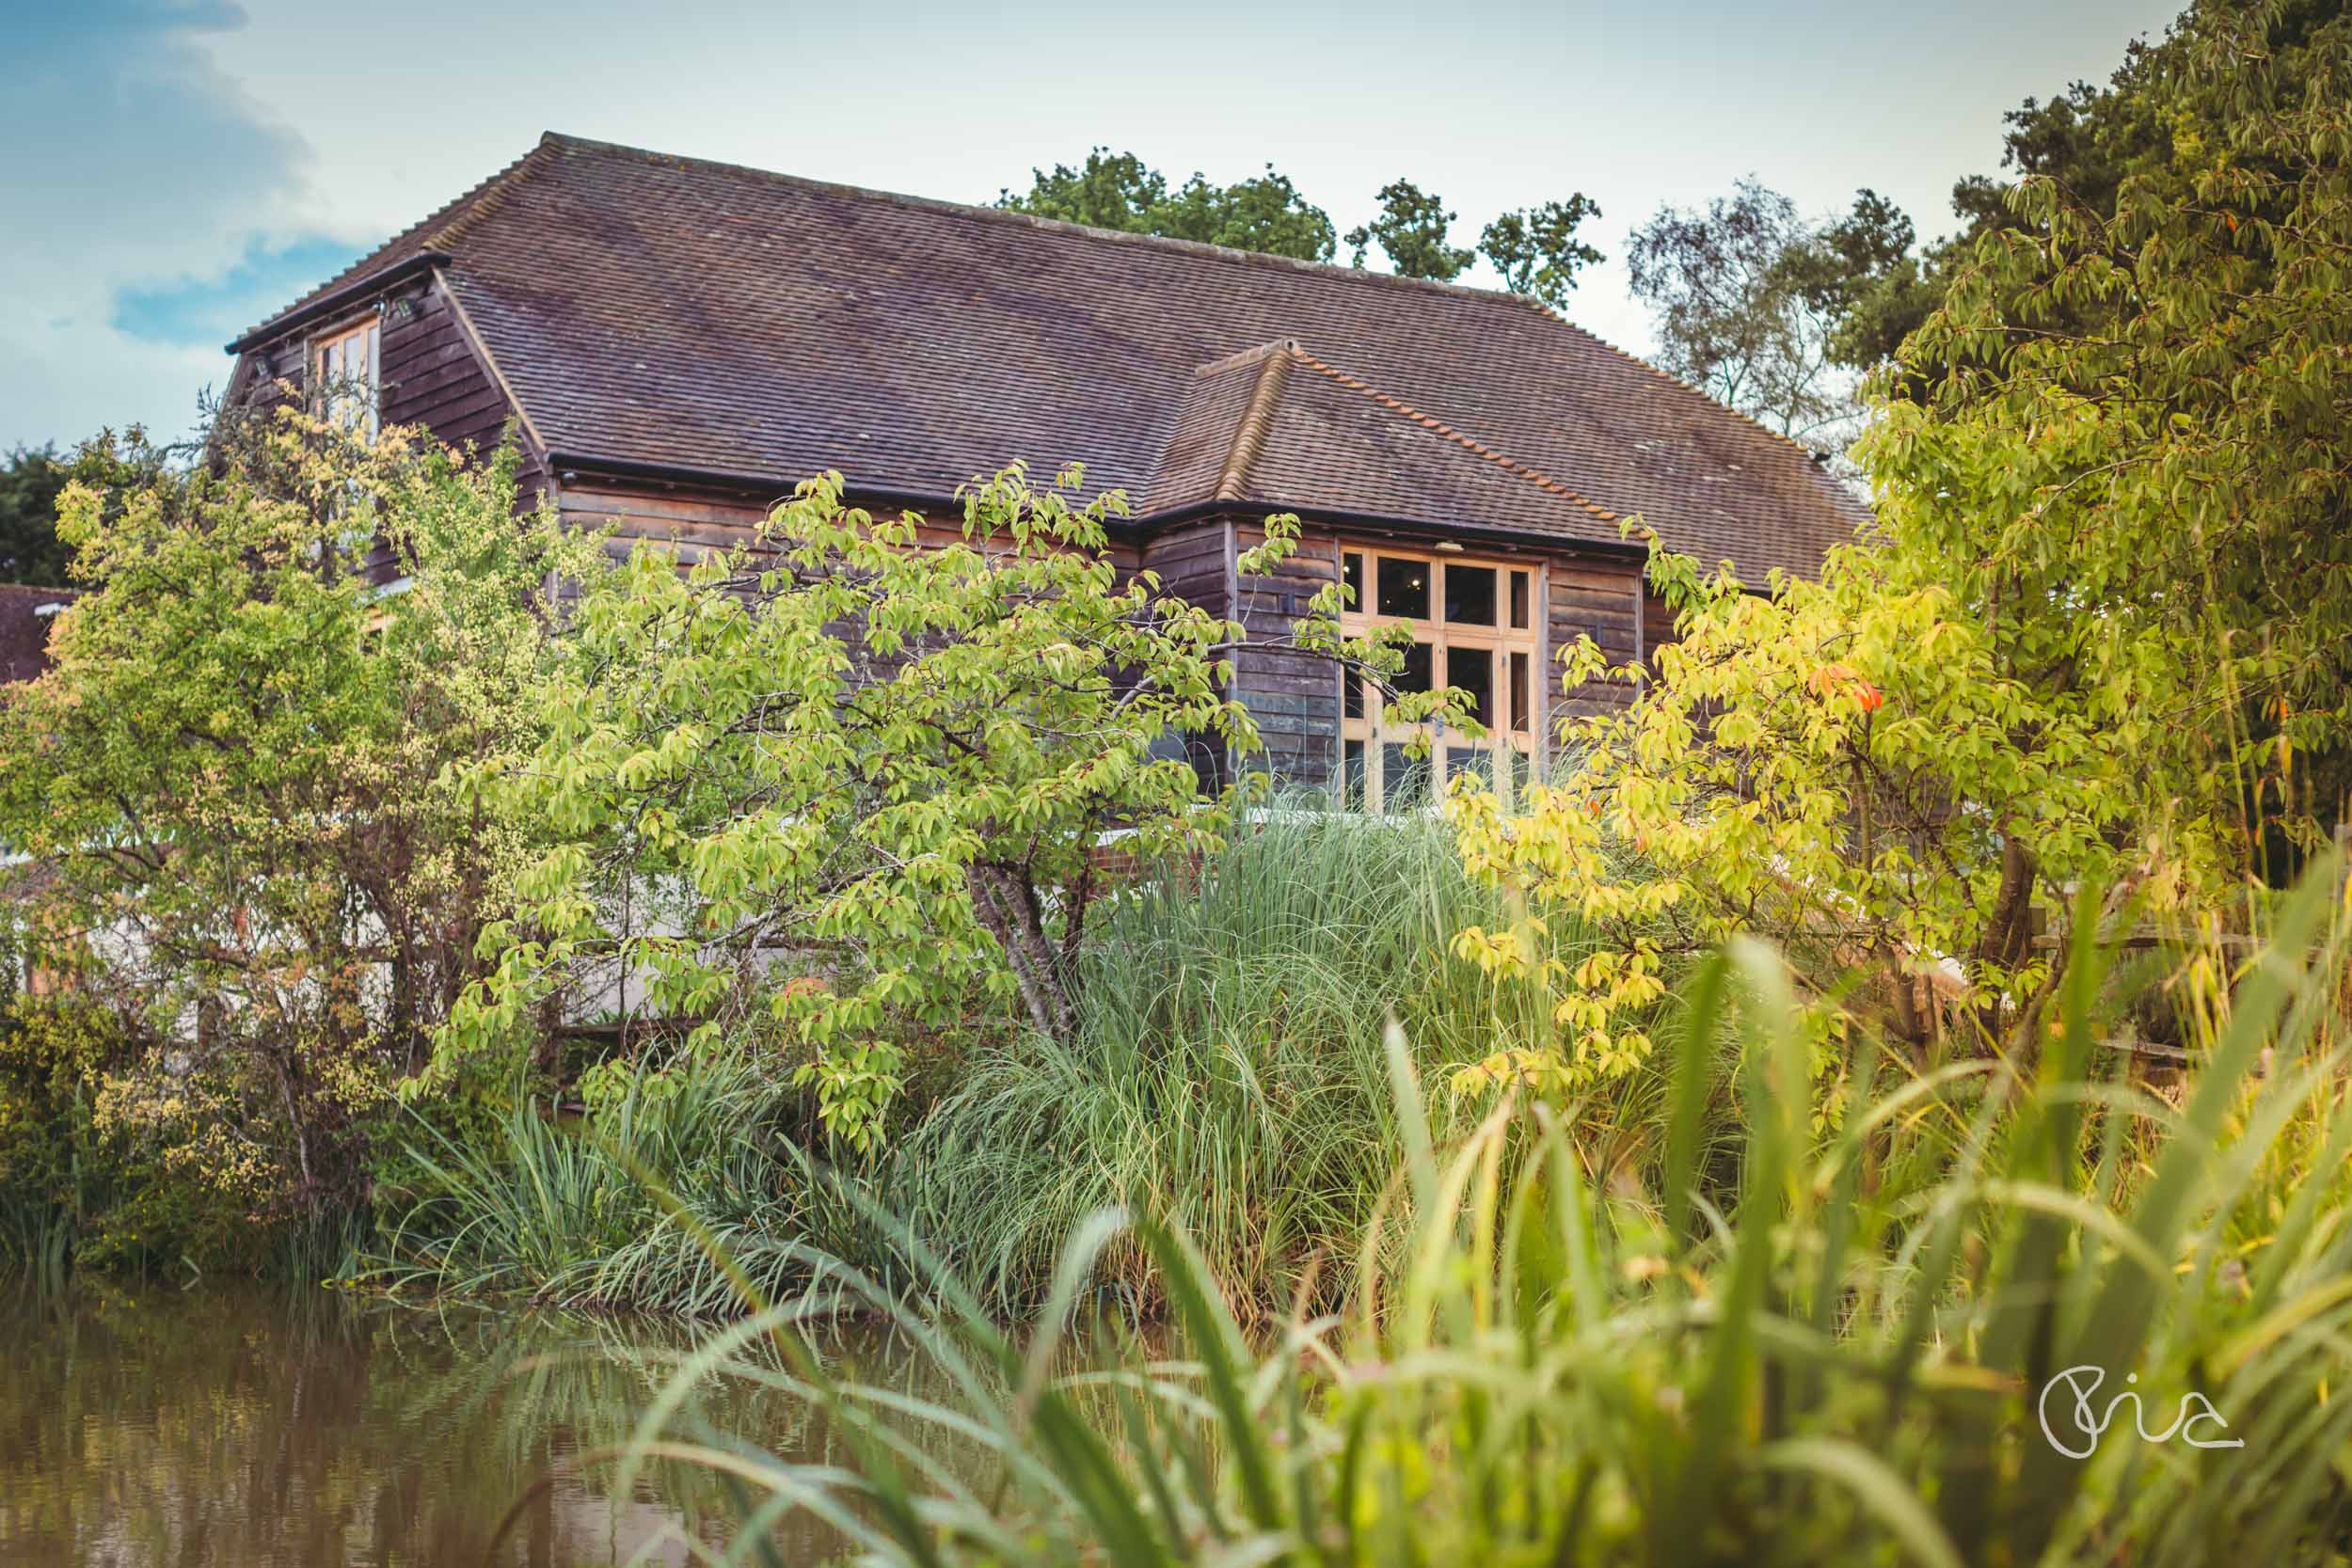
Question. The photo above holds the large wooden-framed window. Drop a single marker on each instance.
(343, 369)
(1473, 624)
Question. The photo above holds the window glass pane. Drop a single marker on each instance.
(1351, 694)
(1403, 588)
(1519, 585)
(1518, 690)
(1352, 775)
(1522, 768)
(1419, 666)
(1355, 575)
(1476, 761)
(1472, 670)
(1469, 594)
(1404, 780)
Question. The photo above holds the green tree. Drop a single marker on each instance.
(846, 789)
(2086, 140)
(30, 484)
(2101, 550)
(249, 775)
(1119, 191)
(1771, 313)
(1412, 230)
(1537, 252)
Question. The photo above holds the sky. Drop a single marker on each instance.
(171, 171)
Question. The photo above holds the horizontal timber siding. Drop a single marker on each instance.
(1294, 697)
(1606, 602)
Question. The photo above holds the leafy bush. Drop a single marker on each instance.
(847, 784)
(111, 1158)
(249, 778)
(2100, 629)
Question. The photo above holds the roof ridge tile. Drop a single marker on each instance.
(1250, 436)
(1536, 476)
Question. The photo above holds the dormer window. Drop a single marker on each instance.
(345, 371)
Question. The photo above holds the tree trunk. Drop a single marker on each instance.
(2010, 926)
(1011, 915)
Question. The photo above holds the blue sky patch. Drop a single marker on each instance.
(191, 311)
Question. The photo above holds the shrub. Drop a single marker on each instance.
(249, 775)
(2100, 629)
(112, 1158)
(846, 783)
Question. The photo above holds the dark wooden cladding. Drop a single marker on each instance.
(429, 374)
(1658, 627)
(691, 525)
(1189, 560)
(691, 522)
(1605, 601)
(1292, 696)
(433, 377)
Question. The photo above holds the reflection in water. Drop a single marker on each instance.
(237, 1427)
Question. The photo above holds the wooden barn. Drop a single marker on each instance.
(675, 342)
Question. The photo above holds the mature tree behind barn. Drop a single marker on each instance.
(1534, 251)
(2085, 140)
(30, 482)
(1537, 252)
(1117, 190)
(1412, 230)
(1764, 309)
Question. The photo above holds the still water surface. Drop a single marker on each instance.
(248, 1427)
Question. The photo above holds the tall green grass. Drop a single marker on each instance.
(1229, 1074)
(1838, 1363)
(670, 1198)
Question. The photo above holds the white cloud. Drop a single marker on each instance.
(135, 157)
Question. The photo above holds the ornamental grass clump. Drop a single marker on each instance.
(1228, 1073)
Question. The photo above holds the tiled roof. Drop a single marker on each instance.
(700, 316)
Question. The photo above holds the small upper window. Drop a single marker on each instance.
(345, 367)
(1403, 588)
(1469, 594)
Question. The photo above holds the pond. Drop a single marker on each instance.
(249, 1428)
